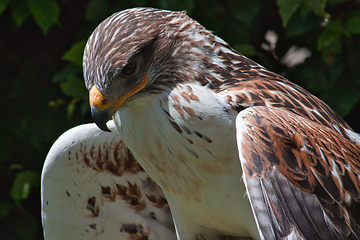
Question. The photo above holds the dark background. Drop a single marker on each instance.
(43, 95)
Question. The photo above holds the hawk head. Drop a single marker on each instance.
(140, 51)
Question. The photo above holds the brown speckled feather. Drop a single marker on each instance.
(93, 188)
(291, 158)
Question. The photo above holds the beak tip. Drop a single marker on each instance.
(103, 127)
(101, 117)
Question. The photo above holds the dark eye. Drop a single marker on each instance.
(130, 69)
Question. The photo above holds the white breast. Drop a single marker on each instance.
(185, 140)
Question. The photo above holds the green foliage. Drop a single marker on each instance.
(43, 92)
(244, 11)
(74, 54)
(45, 13)
(19, 11)
(22, 184)
(287, 9)
(96, 10)
(3, 5)
(246, 49)
(353, 25)
(331, 37)
(317, 6)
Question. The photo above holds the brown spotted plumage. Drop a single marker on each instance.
(238, 151)
(93, 188)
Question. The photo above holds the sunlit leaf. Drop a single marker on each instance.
(75, 53)
(70, 109)
(56, 103)
(317, 6)
(287, 9)
(45, 12)
(73, 87)
(19, 12)
(22, 184)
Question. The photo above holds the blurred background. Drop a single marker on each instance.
(314, 43)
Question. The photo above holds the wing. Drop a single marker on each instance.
(302, 178)
(93, 188)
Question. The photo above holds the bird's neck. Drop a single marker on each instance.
(199, 125)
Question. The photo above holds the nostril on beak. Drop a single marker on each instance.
(104, 102)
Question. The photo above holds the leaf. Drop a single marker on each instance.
(326, 39)
(75, 53)
(334, 25)
(70, 109)
(56, 103)
(69, 70)
(74, 87)
(244, 11)
(353, 25)
(317, 6)
(246, 50)
(346, 97)
(300, 25)
(19, 12)
(3, 5)
(45, 12)
(22, 184)
(287, 9)
(96, 10)
(304, 10)
(330, 37)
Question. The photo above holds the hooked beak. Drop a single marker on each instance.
(102, 109)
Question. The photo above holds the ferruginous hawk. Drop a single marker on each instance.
(238, 151)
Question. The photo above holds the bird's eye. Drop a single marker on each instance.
(130, 69)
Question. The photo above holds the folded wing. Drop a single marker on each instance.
(93, 188)
(302, 178)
